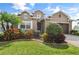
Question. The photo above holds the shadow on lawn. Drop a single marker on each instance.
(4, 45)
(57, 45)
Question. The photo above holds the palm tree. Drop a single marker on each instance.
(6, 18)
(15, 20)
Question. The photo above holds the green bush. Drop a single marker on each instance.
(60, 38)
(9, 35)
(77, 33)
(21, 34)
(44, 37)
(1, 37)
(29, 34)
(74, 32)
(54, 32)
(54, 29)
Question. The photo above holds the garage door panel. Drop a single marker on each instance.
(65, 28)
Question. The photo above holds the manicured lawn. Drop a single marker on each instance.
(35, 48)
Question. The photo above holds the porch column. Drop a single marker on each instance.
(70, 26)
(18, 26)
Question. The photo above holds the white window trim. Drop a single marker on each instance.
(31, 25)
(25, 23)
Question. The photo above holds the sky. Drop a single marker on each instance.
(71, 9)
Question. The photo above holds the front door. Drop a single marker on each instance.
(40, 26)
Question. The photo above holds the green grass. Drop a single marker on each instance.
(35, 48)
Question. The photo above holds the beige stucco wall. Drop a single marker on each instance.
(34, 25)
(46, 24)
(62, 19)
(38, 14)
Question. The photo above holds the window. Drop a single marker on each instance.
(22, 26)
(28, 24)
(25, 16)
(38, 16)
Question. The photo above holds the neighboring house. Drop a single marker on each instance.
(76, 27)
(39, 23)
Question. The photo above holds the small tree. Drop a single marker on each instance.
(2, 20)
(6, 18)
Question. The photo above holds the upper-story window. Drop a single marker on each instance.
(38, 16)
(25, 16)
(28, 25)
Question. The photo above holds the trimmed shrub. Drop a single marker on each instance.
(54, 29)
(16, 33)
(74, 31)
(8, 34)
(21, 34)
(77, 33)
(29, 34)
(11, 34)
(55, 33)
(44, 37)
(36, 35)
(1, 37)
(60, 38)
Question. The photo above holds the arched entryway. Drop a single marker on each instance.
(40, 25)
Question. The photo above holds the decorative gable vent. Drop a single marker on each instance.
(59, 15)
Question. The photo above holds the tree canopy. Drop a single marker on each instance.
(6, 18)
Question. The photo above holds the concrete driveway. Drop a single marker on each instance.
(72, 39)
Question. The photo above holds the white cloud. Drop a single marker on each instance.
(73, 9)
(75, 17)
(48, 9)
(57, 9)
(51, 10)
(16, 13)
(20, 6)
(32, 4)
